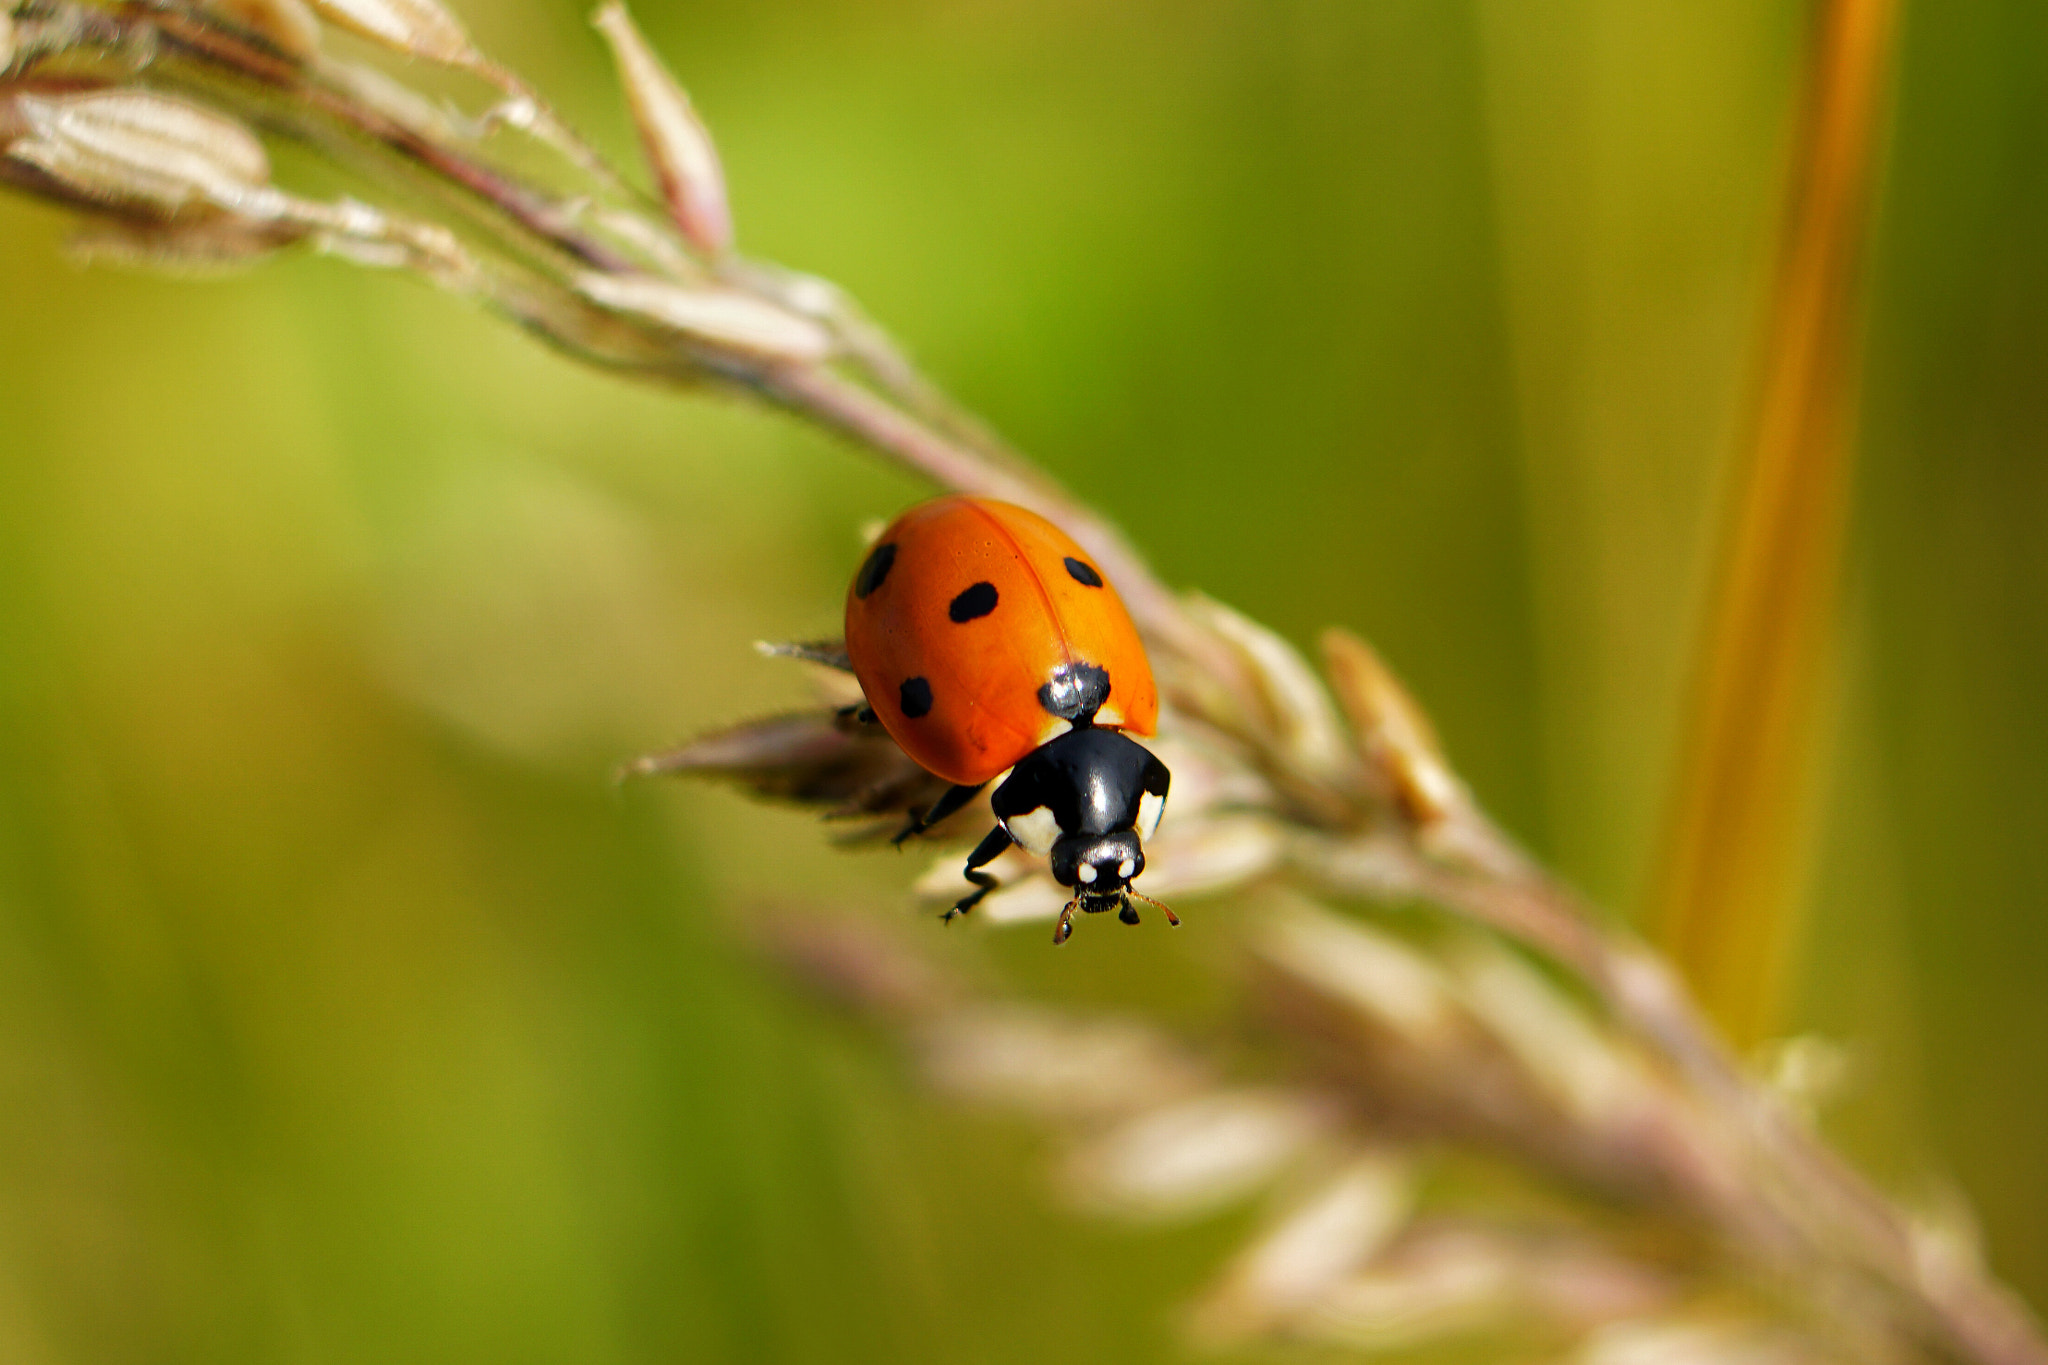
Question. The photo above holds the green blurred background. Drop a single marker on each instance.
(348, 1013)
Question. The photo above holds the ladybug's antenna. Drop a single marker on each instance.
(1066, 924)
(1163, 907)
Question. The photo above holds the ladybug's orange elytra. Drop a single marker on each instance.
(964, 609)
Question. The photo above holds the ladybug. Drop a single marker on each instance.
(986, 642)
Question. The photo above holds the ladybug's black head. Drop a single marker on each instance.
(1086, 800)
(1098, 866)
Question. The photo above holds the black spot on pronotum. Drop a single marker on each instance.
(916, 696)
(1083, 574)
(871, 574)
(973, 604)
(1075, 692)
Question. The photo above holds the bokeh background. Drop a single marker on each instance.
(348, 1012)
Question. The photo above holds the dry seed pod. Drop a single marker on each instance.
(1298, 710)
(125, 146)
(811, 757)
(1185, 1159)
(1384, 979)
(721, 317)
(675, 140)
(1057, 1067)
(1449, 1278)
(1320, 1240)
(1575, 1065)
(1697, 1339)
(1393, 732)
(417, 28)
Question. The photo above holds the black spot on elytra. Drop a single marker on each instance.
(1082, 574)
(879, 562)
(916, 696)
(973, 604)
(1075, 692)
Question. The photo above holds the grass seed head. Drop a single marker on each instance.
(1392, 732)
(1186, 1159)
(1393, 985)
(1055, 1067)
(677, 144)
(1310, 1248)
(416, 28)
(1297, 713)
(726, 319)
(141, 150)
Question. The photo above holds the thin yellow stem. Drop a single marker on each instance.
(1727, 894)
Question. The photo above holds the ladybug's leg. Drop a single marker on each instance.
(953, 800)
(987, 851)
(860, 713)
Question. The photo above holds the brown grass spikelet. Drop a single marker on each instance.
(1394, 734)
(674, 139)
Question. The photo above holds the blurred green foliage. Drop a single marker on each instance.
(347, 1012)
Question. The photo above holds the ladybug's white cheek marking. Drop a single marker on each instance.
(1034, 830)
(1125, 868)
(1086, 872)
(1150, 809)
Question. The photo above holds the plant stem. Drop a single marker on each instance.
(1727, 892)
